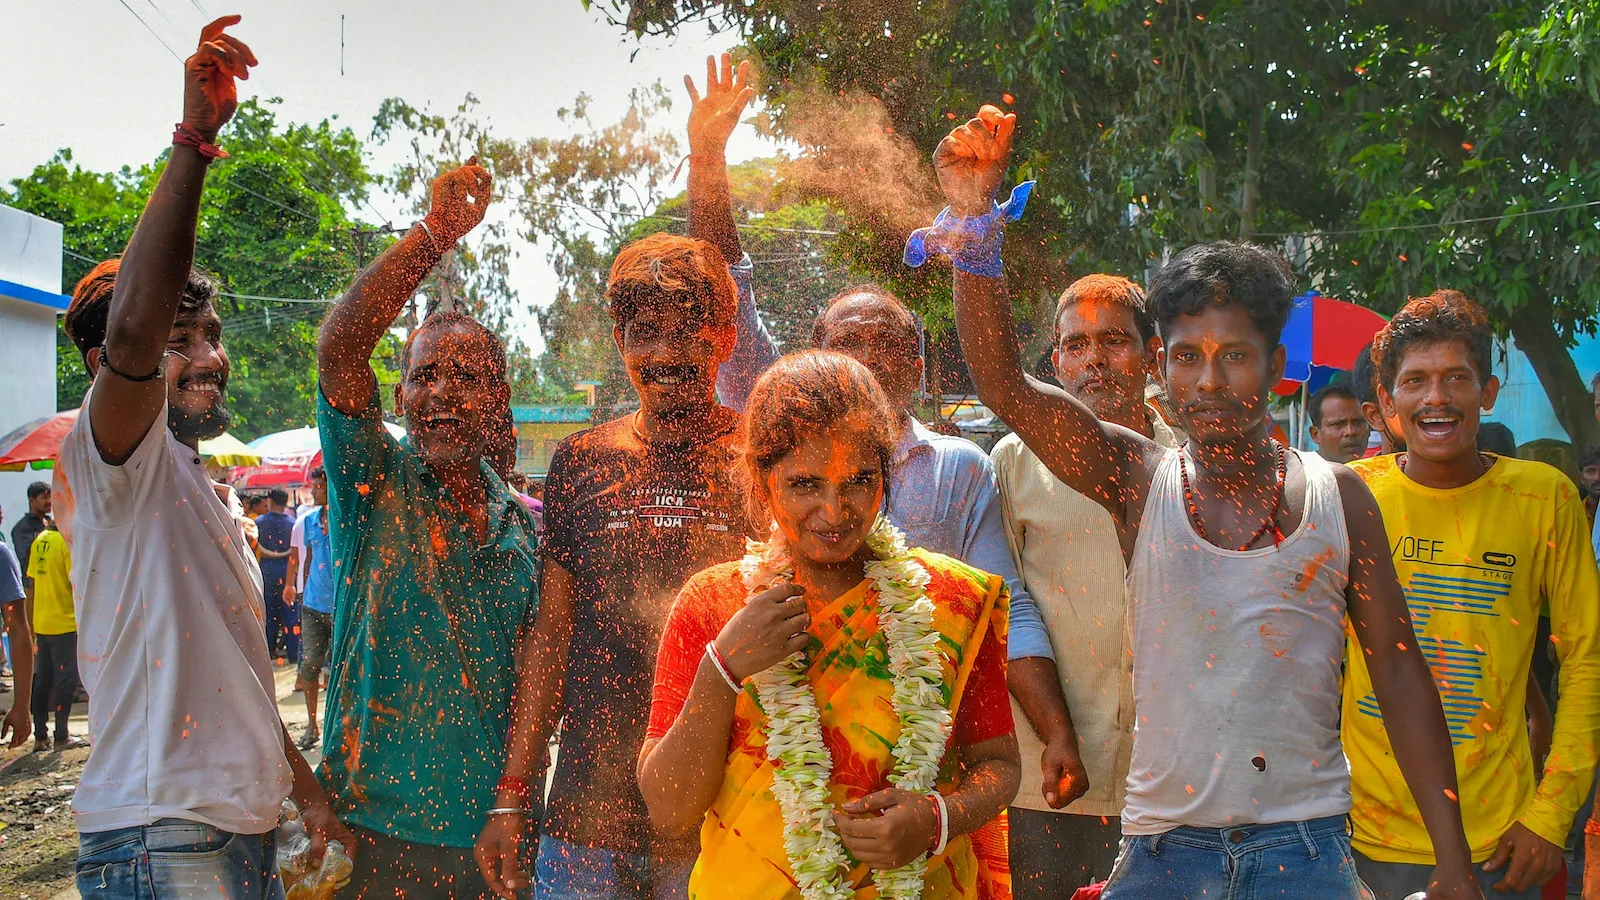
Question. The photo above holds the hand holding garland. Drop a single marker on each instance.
(890, 828)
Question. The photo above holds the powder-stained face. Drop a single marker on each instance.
(875, 333)
(449, 388)
(1100, 358)
(1437, 397)
(825, 496)
(1219, 370)
(672, 357)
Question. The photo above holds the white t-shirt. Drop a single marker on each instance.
(171, 646)
(297, 543)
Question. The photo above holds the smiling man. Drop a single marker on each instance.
(1481, 543)
(632, 509)
(190, 763)
(435, 568)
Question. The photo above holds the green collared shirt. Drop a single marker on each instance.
(425, 627)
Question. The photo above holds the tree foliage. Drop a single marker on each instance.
(1390, 149)
(274, 227)
(586, 194)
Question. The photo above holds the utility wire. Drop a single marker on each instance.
(1422, 225)
(151, 30)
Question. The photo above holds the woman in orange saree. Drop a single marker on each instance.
(832, 711)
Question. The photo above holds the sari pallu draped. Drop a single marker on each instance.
(741, 841)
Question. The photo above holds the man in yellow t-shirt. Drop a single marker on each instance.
(1480, 543)
(55, 671)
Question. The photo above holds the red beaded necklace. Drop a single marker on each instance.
(1271, 524)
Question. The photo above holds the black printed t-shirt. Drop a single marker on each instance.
(631, 520)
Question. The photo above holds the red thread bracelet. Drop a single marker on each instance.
(186, 136)
(514, 785)
(1592, 827)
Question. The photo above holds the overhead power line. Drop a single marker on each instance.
(152, 31)
(1418, 226)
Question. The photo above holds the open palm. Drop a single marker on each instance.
(713, 117)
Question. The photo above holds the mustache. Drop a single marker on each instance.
(678, 372)
(1455, 411)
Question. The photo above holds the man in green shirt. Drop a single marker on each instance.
(435, 572)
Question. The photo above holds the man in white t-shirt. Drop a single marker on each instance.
(190, 764)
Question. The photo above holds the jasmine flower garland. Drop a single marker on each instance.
(803, 766)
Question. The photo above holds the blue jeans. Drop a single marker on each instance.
(176, 859)
(1397, 881)
(566, 871)
(1287, 861)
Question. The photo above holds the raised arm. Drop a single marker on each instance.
(129, 390)
(712, 119)
(358, 321)
(1103, 462)
(1412, 713)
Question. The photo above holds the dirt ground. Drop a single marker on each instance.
(38, 843)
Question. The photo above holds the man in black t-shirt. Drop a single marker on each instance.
(632, 509)
(30, 526)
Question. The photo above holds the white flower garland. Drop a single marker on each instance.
(804, 767)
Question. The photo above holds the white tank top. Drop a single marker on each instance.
(1236, 658)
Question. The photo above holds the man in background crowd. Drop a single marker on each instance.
(273, 531)
(1338, 427)
(311, 584)
(55, 671)
(32, 524)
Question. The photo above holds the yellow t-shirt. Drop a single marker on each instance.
(49, 563)
(1477, 564)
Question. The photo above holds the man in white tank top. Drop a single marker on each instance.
(1243, 558)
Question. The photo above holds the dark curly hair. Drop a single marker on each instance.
(90, 310)
(1223, 272)
(1443, 315)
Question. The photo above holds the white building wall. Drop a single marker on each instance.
(30, 255)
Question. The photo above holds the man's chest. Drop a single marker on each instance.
(1464, 571)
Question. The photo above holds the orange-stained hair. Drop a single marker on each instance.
(89, 314)
(1103, 288)
(672, 268)
(1444, 315)
(809, 393)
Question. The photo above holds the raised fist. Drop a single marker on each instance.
(713, 117)
(460, 199)
(209, 94)
(972, 159)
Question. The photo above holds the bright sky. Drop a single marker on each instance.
(91, 77)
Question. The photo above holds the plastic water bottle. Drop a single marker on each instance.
(1419, 895)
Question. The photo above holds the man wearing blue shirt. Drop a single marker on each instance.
(943, 494)
(316, 601)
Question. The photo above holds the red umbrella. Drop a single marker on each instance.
(285, 471)
(37, 442)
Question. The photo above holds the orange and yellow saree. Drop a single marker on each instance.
(741, 842)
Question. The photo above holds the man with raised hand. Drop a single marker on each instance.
(1482, 542)
(190, 763)
(1065, 546)
(436, 581)
(632, 509)
(942, 492)
(1244, 558)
